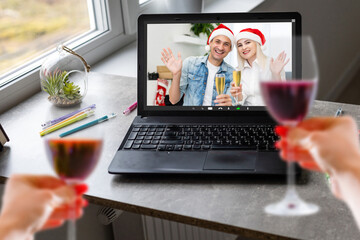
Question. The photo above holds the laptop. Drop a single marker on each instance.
(176, 138)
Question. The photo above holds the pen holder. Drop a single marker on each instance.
(64, 76)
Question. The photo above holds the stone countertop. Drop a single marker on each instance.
(232, 204)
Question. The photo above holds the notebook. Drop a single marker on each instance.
(177, 131)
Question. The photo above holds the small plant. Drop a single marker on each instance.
(52, 84)
(61, 91)
(71, 91)
(206, 28)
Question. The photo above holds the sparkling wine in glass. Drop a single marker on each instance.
(237, 80)
(73, 159)
(288, 102)
(220, 83)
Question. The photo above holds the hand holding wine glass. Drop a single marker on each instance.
(288, 102)
(236, 92)
(74, 157)
(323, 144)
(221, 99)
(46, 204)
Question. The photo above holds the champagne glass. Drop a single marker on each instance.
(237, 80)
(74, 157)
(220, 83)
(288, 101)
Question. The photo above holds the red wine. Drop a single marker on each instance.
(74, 159)
(288, 102)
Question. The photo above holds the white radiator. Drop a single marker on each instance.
(159, 229)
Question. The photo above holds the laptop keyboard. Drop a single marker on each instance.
(201, 137)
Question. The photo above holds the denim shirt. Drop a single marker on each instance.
(194, 77)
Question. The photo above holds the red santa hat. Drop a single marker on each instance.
(220, 30)
(252, 34)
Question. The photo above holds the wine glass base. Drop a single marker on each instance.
(292, 207)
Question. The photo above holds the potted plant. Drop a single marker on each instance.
(204, 28)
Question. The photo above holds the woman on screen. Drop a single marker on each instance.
(252, 62)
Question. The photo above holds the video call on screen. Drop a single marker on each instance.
(179, 38)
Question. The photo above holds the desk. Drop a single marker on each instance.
(229, 204)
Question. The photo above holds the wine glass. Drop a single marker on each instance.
(220, 83)
(74, 157)
(288, 101)
(237, 80)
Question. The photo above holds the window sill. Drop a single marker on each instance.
(122, 62)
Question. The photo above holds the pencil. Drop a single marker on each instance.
(66, 123)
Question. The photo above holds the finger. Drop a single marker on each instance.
(163, 60)
(164, 56)
(292, 155)
(300, 137)
(299, 153)
(170, 52)
(232, 84)
(78, 203)
(221, 99)
(310, 166)
(234, 91)
(166, 53)
(281, 131)
(282, 57)
(318, 123)
(287, 61)
(40, 181)
(66, 212)
(179, 55)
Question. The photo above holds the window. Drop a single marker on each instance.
(95, 29)
(30, 28)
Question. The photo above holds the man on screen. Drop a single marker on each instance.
(195, 77)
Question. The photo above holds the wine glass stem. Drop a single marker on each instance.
(291, 174)
(72, 227)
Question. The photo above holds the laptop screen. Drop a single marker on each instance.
(183, 69)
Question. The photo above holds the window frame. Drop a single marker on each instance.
(93, 46)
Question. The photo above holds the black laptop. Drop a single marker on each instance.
(168, 138)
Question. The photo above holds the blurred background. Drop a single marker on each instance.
(104, 32)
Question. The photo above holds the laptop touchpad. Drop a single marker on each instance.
(230, 160)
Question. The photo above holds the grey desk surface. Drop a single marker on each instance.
(229, 204)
